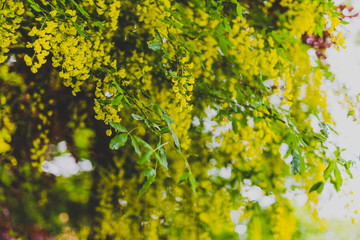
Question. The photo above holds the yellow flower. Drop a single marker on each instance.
(4, 147)
(53, 13)
(108, 132)
(28, 60)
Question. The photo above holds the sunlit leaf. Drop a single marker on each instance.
(118, 141)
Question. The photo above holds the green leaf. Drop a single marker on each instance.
(149, 172)
(226, 24)
(239, 10)
(106, 101)
(318, 187)
(176, 140)
(220, 29)
(234, 125)
(117, 100)
(302, 164)
(329, 170)
(164, 129)
(35, 7)
(117, 86)
(192, 183)
(117, 126)
(99, 25)
(223, 46)
(80, 31)
(155, 45)
(173, 74)
(137, 117)
(118, 141)
(145, 158)
(324, 130)
(166, 117)
(184, 177)
(82, 11)
(338, 178)
(146, 186)
(157, 35)
(295, 163)
(135, 145)
(162, 159)
(347, 166)
(143, 143)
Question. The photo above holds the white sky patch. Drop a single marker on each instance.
(65, 164)
(241, 229)
(108, 94)
(225, 172)
(253, 193)
(61, 146)
(235, 216)
(267, 201)
(299, 196)
(195, 121)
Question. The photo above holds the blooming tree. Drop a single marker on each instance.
(179, 106)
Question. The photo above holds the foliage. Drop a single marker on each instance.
(163, 97)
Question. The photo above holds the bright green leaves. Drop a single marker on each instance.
(175, 138)
(117, 126)
(118, 141)
(333, 172)
(34, 5)
(155, 46)
(329, 170)
(338, 181)
(120, 98)
(143, 143)
(224, 43)
(137, 117)
(157, 35)
(150, 174)
(99, 25)
(318, 187)
(226, 25)
(220, 34)
(145, 158)
(81, 10)
(184, 177)
(295, 163)
(161, 156)
(117, 100)
(135, 145)
(239, 10)
(165, 117)
(324, 130)
(145, 155)
(192, 183)
(220, 29)
(162, 159)
(234, 124)
(173, 74)
(118, 88)
(189, 176)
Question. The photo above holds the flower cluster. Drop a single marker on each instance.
(10, 19)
